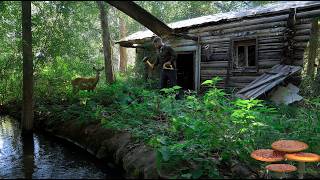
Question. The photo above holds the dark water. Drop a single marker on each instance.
(38, 156)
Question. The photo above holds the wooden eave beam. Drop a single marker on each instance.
(142, 16)
(185, 36)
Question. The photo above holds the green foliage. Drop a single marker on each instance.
(193, 136)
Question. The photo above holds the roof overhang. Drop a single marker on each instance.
(185, 25)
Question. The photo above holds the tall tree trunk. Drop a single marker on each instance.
(318, 68)
(27, 107)
(313, 47)
(110, 78)
(123, 51)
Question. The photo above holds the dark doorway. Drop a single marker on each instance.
(185, 73)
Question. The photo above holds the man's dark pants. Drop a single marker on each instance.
(166, 75)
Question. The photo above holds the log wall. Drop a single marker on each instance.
(216, 40)
(270, 31)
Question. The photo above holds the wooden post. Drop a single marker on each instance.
(28, 154)
(313, 47)
(288, 37)
(123, 50)
(27, 107)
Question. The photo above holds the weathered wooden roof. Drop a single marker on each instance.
(267, 81)
(221, 17)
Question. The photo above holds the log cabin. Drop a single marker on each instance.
(239, 46)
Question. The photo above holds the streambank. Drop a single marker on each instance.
(133, 157)
(136, 159)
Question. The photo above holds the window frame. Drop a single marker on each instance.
(235, 43)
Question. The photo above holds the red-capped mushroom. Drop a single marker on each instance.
(281, 169)
(302, 158)
(267, 155)
(289, 146)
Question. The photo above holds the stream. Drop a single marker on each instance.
(40, 157)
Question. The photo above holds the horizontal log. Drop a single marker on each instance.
(265, 59)
(225, 48)
(221, 54)
(301, 17)
(270, 48)
(269, 56)
(252, 27)
(242, 74)
(271, 40)
(245, 31)
(244, 27)
(272, 37)
(213, 39)
(300, 44)
(217, 57)
(215, 46)
(260, 33)
(238, 84)
(297, 44)
(298, 62)
(268, 64)
(267, 52)
(303, 26)
(206, 77)
(220, 50)
(225, 42)
(303, 32)
(301, 38)
(241, 23)
(270, 44)
(303, 20)
(214, 64)
(185, 48)
(308, 14)
(213, 72)
(308, 8)
(177, 43)
(218, 54)
(245, 79)
(300, 48)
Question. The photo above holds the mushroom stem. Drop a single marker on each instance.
(301, 169)
(280, 175)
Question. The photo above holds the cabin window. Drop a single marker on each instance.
(244, 54)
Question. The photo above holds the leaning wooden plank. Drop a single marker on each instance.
(263, 76)
(260, 90)
(266, 89)
(267, 80)
(254, 90)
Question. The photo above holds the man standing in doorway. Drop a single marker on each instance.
(166, 59)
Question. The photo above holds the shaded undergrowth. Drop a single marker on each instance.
(196, 135)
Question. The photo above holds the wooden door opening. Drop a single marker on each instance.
(185, 70)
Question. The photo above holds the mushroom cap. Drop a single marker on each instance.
(267, 155)
(281, 167)
(290, 146)
(303, 157)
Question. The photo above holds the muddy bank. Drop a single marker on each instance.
(136, 159)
